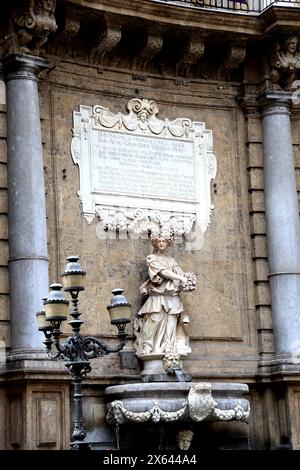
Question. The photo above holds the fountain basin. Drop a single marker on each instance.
(177, 401)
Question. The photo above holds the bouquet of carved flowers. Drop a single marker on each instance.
(190, 284)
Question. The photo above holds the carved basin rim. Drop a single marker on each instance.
(231, 389)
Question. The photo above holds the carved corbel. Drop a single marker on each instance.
(107, 39)
(235, 56)
(149, 49)
(64, 42)
(192, 51)
(33, 22)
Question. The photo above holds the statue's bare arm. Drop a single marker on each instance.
(168, 274)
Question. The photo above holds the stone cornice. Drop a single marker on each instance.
(149, 36)
(274, 18)
(280, 19)
(168, 14)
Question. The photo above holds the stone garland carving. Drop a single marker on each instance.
(238, 413)
(34, 21)
(140, 218)
(117, 413)
(140, 222)
(284, 61)
(200, 406)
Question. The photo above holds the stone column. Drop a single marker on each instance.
(282, 216)
(28, 261)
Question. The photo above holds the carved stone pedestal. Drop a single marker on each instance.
(34, 406)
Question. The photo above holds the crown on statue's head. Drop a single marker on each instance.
(164, 232)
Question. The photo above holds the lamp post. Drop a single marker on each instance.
(77, 350)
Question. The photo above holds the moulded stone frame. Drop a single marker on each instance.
(138, 214)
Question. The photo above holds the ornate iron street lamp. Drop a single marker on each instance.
(77, 350)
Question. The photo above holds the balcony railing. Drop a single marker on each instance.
(243, 6)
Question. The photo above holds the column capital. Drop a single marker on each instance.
(22, 66)
(274, 102)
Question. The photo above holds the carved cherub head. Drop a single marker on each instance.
(142, 109)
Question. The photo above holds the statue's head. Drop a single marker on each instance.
(45, 6)
(184, 439)
(163, 237)
(291, 44)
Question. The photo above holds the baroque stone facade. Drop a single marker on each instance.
(236, 72)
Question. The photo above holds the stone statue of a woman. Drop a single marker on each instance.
(160, 323)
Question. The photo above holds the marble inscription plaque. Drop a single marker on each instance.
(139, 173)
(145, 166)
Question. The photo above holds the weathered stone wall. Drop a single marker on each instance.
(222, 309)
